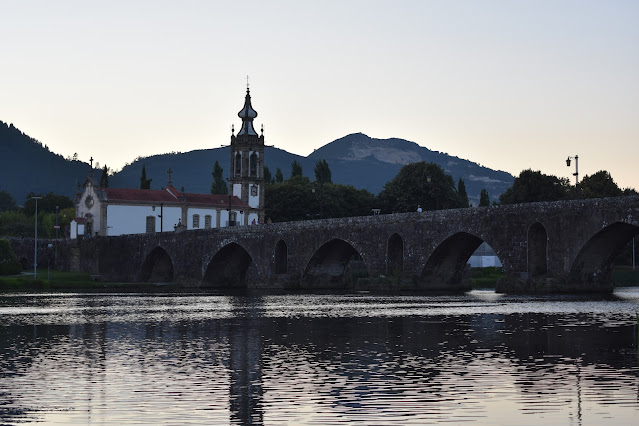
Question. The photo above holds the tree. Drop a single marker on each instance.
(218, 186)
(268, 179)
(599, 185)
(421, 183)
(533, 186)
(484, 199)
(47, 204)
(104, 179)
(296, 169)
(144, 182)
(294, 199)
(6, 201)
(322, 173)
(279, 177)
(463, 196)
(9, 265)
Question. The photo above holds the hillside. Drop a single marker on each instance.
(358, 160)
(27, 165)
(369, 163)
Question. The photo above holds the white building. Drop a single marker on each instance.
(118, 211)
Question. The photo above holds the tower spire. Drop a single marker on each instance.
(247, 114)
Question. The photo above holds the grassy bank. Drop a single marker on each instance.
(625, 276)
(485, 277)
(69, 281)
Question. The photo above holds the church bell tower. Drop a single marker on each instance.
(247, 164)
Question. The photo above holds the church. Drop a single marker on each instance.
(119, 211)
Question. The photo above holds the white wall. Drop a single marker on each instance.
(254, 200)
(237, 190)
(130, 219)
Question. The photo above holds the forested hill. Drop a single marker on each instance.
(27, 165)
(361, 161)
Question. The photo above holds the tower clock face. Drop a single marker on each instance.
(88, 202)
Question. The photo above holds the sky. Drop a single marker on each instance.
(510, 85)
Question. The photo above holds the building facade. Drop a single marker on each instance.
(119, 211)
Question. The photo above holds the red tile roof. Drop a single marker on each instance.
(164, 196)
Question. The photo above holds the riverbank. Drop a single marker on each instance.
(51, 280)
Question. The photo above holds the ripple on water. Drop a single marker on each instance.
(318, 359)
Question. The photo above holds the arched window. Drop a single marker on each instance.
(238, 164)
(253, 165)
(196, 221)
(207, 221)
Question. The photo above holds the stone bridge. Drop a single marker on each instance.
(544, 247)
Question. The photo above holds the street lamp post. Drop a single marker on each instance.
(35, 244)
(576, 174)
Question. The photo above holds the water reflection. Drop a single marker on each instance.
(318, 359)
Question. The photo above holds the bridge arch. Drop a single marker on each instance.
(335, 264)
(445, 267)
(592, 266)
(228, 268)
(537, 250)
(157, 266)
(281, 258)
(395, 255)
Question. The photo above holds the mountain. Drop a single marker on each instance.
(27, 165)
(367, 163)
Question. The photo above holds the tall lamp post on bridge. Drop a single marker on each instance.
(576, 174)
(35, 244)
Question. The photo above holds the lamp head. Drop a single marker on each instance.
(568, 161)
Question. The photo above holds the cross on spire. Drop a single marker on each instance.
(247, 82)
(169, 173)
(91, 160)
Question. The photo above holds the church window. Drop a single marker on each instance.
(238, 164)
(254, 190)
(196, 221)
(150, 224)
(207, 221)
(253, 164)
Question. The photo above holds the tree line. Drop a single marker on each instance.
(418, 186)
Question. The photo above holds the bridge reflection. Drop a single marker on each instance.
(243, 360)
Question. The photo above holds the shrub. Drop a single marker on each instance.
(9, 265)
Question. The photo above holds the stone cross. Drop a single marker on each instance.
(169, 173)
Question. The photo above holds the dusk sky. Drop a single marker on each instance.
(508, 84)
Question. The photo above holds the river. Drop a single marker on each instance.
(317, 359)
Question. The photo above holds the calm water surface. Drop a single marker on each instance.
(319, 359)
